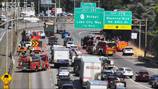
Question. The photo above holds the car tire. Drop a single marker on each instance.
(130, 76)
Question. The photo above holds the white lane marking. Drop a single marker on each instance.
(2, 36)
(139, 84)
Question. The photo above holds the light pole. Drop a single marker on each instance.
(146, 39)
(140, 26)
(59, 3)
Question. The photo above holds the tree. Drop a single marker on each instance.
(156, 19)
(154, 45)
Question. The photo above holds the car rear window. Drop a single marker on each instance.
(129, 48)
(67, 87)
(128, 70)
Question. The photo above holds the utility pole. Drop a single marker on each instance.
(74, 4)
(59, 3)
(55, 17)
(6, 28)
(146, 39)
(140, 33)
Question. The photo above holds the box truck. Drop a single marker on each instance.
(90, 68)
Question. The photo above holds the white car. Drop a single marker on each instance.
(63, 73)
(69, 44)
(28, 44)
(3, 18)
(125, 71)
(128, 51)
(43, 35)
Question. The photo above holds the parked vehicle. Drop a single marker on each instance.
(76, 65)
(125, 72)
(142, 76)
(60, 31)
(65, 34)
(104, 48)
(21, 49)
(69, 44)
(60, 56)
(128, 51)
(116, 83)
(106, 62)
(90, 69)
(66, 84)
(43, 35)
(155, 84)
(121, 45)
(33, 63)
(97, 84)
(52, 40)
(153, 78)
(67, 39)
(63, 73)
(106, 73)
(87, 41)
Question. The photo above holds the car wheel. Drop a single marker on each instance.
(130, 76)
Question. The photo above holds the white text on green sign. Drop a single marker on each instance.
(118, 17)
(88, 5)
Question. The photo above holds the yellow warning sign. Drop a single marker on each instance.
(6, 78)
(117, 27)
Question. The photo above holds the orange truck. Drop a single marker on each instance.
(120, 45)
(105, 48)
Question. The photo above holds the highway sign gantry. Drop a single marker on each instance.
(117, 20)
(89, 18)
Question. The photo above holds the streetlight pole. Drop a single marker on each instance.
(146, 28)
(74, 4)
(140, 33)
(59, 3)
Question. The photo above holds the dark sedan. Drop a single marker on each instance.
(142, 76)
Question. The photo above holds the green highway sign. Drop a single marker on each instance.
(88, 18)
(118, 20)
(88, 5)
(118, 17)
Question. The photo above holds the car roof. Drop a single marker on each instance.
(143, 71)
(126, 68)
(98, 82)
(90, 58)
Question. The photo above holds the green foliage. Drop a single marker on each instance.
(156, 19)
(154, 45)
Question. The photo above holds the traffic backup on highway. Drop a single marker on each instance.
(47, 47)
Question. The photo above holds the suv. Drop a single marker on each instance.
(128, 51)
(125, 72)
(142, 75)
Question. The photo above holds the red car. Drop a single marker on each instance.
(142, 76)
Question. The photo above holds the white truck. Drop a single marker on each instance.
(61, 56)
(90, 68)
(97, 84)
